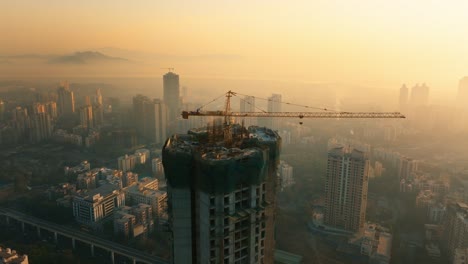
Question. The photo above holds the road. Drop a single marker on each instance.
(84, 237)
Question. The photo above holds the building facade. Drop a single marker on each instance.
(346, 189)
(222, 199)
(66, 100)
(90, 208)
(172, 96)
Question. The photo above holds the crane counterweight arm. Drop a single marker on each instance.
(187, 114)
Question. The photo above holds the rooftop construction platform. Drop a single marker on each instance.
(201, 158)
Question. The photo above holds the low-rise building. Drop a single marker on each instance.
(83, 167)
(91, 207)
(9, 256)
(133, 221)
(145, 193)
(375, 243)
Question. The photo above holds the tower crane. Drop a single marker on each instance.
(324, 114)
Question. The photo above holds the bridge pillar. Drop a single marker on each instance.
(55, 237)
(134, 261)
(8, 221)
(92, 250)
(22, 226)
(73, 243)
(38, 232)
(112, 257)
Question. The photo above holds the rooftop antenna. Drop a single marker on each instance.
(169, 69)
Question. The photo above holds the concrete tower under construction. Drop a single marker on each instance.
(222, 195)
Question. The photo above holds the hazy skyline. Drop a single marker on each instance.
(383, 43)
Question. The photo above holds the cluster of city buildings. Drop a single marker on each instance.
(422, 115)
(135, 206)
(37, 123)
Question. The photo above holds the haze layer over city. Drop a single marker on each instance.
(233, 132)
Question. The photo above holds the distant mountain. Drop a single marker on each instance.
(85, 57)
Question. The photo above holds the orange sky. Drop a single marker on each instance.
(374, 41)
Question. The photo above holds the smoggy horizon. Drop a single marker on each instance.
(370, 43)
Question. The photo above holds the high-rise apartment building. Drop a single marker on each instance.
(407, 167)
(419, 95)
(274, 105)
(171, 96)
(98, 109)
(247, 104)
(66, 100)
(456, 228)
(346, 189)
(160, 121)
(86, 117)
(51, 109)
(150, 118)
(98, 97)
(222, 198)
(41, 127)
(20, 120)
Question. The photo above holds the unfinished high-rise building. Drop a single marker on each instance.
(221, 194)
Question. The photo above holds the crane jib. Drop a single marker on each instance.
(186, 114)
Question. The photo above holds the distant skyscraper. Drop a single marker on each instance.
(86, 117)
(66, 100)
(407, 166)
(462, 97)
(403, 97)
(98, 115)
(222, 199)
(51, 109)
(346, 189)
(98, 97)
(160, 121)
(419, 95)
(274, 105)
(150, 118)
(20, 120)
(172, 96)
(41, 127)
(248, 105)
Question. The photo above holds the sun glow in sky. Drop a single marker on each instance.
(373, 41)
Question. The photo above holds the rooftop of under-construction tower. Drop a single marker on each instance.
(204, 158)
